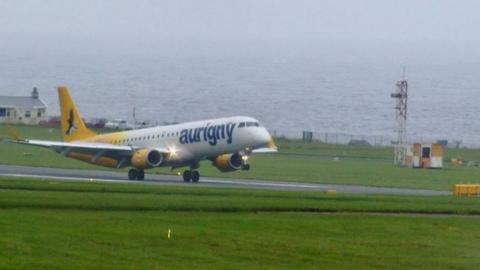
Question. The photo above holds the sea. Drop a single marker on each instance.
(287, 94)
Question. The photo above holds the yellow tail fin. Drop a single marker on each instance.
(73, 128)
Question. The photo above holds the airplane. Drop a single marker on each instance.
(226, 142)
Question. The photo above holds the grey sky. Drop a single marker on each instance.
(412, 20)
(111, 47)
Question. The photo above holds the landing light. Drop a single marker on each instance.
(244, 158)
(173, 151)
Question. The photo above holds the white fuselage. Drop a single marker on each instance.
(194, 141)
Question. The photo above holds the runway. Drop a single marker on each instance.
(154, 179)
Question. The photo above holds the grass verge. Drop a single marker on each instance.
(78, 225)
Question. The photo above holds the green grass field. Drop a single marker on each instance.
(79, 225)
(296, 161)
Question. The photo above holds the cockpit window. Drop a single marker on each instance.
(253, 124)
(241, 125)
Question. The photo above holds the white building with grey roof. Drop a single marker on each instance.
(28, 110)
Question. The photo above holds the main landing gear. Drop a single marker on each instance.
(134, 174)
(191, 175)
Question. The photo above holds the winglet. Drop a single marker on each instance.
(73, 127)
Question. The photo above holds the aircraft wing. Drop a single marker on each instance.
(265, 150)
(77, 146)
(104, 149)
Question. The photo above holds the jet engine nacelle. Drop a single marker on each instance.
(146, 158)
(229, 162)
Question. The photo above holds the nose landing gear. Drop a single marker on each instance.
(191, 175)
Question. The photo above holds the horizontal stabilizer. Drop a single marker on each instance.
(12, 132)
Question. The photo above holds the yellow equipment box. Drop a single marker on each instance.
(466, 189)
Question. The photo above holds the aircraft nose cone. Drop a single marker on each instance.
(266, 139)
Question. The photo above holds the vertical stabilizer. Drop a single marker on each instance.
(73, 128)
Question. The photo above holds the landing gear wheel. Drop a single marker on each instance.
(246, 167)
(187, 176)
(140, 174)
(195, 176)
(132, 174)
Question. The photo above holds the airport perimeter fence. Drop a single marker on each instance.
(350, 139)
(363, 140)
(335, 138)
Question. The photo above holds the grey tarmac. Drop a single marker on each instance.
(156, 179)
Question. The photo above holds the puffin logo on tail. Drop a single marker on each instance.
(71, 123)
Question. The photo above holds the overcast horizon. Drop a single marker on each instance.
(333, 64)
(410, 20)
(352, 29)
